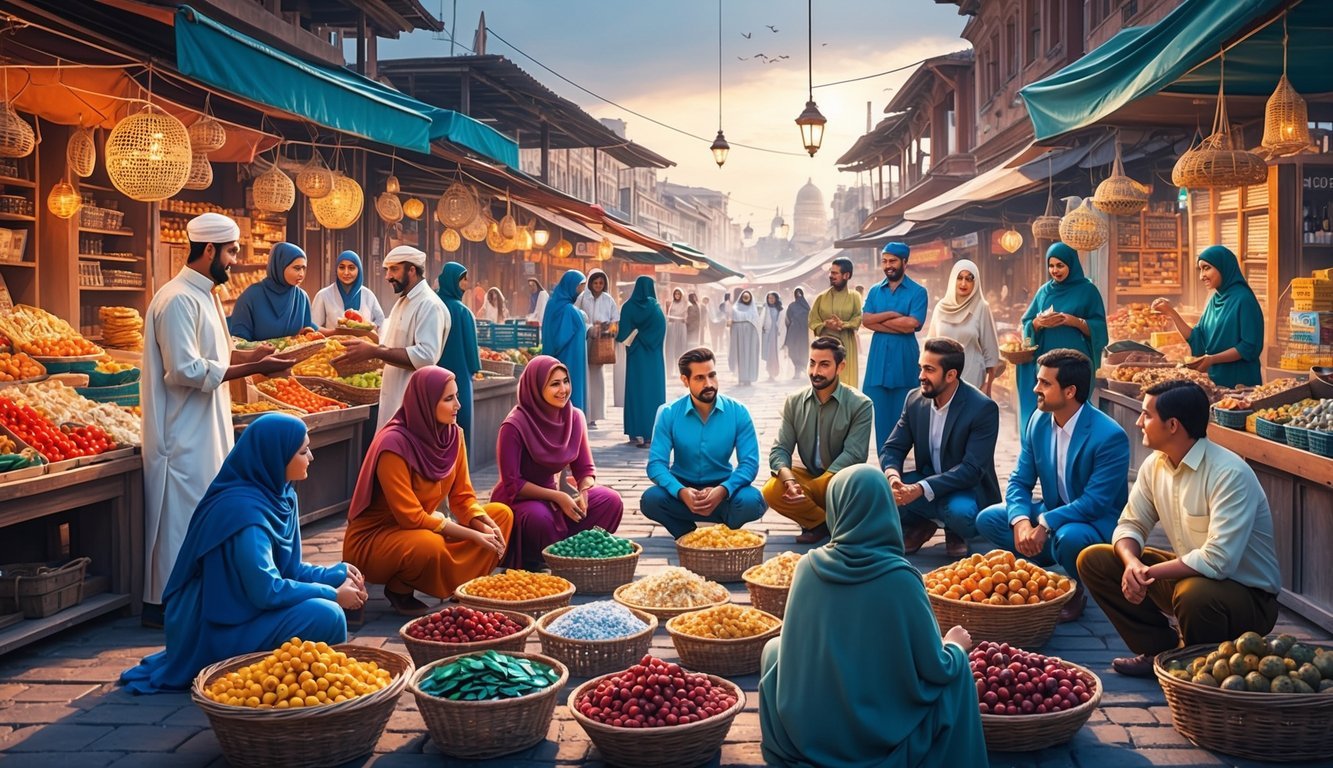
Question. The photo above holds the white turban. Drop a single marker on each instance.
(212, 228)
(405, 254)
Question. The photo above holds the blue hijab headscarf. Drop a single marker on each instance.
(1232, 319)
(272, 307)
(351, 295)
(564, 334)
(461, 353)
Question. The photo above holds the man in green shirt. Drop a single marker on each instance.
(1222, 578)
(837, 313)
(827, 427)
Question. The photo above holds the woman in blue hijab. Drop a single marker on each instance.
(239, 585)
(643, 332)
(1067, 313)
(348, 292)
(565, 334)
(918, 708)
(460, 347)
(1229, 338)
(275, 306)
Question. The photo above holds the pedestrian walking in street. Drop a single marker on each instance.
(694, 323)
(721, 322)
(348, 292)
(837, 312)
(537, 298)
(964, 316)
(708, 326)
(603, 314)
(540, 438)
(565, 334)
(746, 330)
(643, 332)
(771, 318)
(495, 309)
(676, 335)
(461, 353)
(796, 339)
(275, 306)
(918, 708)
(1228, 340)
(895, 310)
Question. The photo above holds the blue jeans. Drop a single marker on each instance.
(1063, 545)
(888, 409)
(746, 506)
(957, 510)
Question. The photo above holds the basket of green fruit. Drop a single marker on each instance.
(356, 389)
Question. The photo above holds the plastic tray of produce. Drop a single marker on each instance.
(1271, 430)
(1231, 419)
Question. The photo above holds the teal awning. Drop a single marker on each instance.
(1179, 54)
(715, 270)
(335, 98)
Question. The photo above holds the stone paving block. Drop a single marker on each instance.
(9, 690)
(54, 692)
(70, 760)
(145, 738)
(203, 745)
(1181, 757)
(1157, 736)
(1162, 714)
(193, 717)
(125, 714)
(37, 714)
(1129, 715)
(400, 742)
(160, 760)
(1103, 733)
(54, 738)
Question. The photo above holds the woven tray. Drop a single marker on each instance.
(721, 564)
(347, 368)
(740, 656)
(360, 332)
(1321, 443)
(338, 390)
(424, 652)
(586, 658)
(1231, 419)
(482, 729)
(595, 576)
(1028, 733)
(284, 404)
(534, 608)
(502, 367)
(38, 591)
(671, 746)
(1025, 626)
(1277, 727)
(664, 614)
(309, 737)
(303, 351)
(1271, 430)
(57, 362)
(766, 597)
(1019, 357)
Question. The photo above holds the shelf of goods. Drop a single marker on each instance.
(1148, 254)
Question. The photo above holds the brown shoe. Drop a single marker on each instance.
(916, 534)
(813, 535)
(954, 544)
(406, 604)
(1134, 666)
(1074, 608)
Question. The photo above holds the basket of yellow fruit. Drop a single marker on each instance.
(998, 597)
(1018, 351)
(357, 389)
(720, 553)
(112, 373)
(725, 640)
(303, 705)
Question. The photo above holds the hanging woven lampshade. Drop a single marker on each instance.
(508, 227)
(341, 207)
(64, 200)
(1011, 240)
(450, 240)
(391, 185)
(16, 136)
(201, 172)
(458, 206)
(274, 191)
(207, 135)
(315, 180)
(496, 241)
(81, 153)
(1218, 162)
(389, 208)
(1047, 226)
(1119, 195)
(148, 156)
(413, 208)
(562, 248)
(605, 249)
(476, 229)
(1084, 229)
(524, 239)
(540, 237)
(1286, 118)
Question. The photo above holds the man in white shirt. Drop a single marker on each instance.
(602, 316)
(414, 332)
(187, 430)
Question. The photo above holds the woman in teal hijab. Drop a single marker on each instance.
(1230, 334)
(880, 690)
(275, 306)
(460, 347)
(645, 368)
(1067, 313)
(565, 334)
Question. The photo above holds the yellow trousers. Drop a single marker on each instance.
(808, 513)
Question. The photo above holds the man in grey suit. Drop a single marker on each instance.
(950, 427)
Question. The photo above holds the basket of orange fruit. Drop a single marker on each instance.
(999, 597)
(288, 392)
(19, 367)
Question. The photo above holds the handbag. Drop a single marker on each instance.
(601, 350)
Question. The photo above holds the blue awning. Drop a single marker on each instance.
(335, 98)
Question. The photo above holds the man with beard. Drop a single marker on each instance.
(895, 310)
(828, 428)
(603, 315)
(187, 429)
(414, 332)
(950, 427)
(690, 462)
(837, 313)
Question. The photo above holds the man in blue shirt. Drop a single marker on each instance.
(895, 310)
(703, 429)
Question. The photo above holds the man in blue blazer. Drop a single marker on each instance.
(1081, 457)
(950, 427)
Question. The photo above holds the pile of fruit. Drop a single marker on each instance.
(55, 443)
(724, 622)
(1153, 376)
(42, 334)
(674, 587)
(1232, 403)
(516, 586)
(290, 391)
(60, 404)
(996, 578)
(1135, 321)
(109, 365)
(320, 363)
(353, 320)
(1015, 345)
(488, 676)
(1274, 387)
(1283, 414)
(652, 694)
(1125, 372)
(261, 406)
(775, 571)
(282, 342)
(515, 356)
(594, 543)
(1318, 416)
(299, 674)
(1015, 682)
(12, 457)
(369, 380)
(1260, 665)
(720, 537)
(122, 327)
(18, 366)
(460, 624)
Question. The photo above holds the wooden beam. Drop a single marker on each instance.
(361, 29)
(254, 20)
(546, 152)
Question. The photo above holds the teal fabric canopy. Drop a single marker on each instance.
(335, 98)
(1179, 55)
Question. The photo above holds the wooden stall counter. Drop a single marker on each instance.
(492, 400)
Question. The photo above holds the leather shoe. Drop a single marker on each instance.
(1134, 666)
(954, 544)
(813, 535)
(406, 604)
(916, 534)
(1074, 608)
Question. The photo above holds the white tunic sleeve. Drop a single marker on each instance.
(183, 360)
(428, 334)
(326, 308)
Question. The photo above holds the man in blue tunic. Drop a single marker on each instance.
(895, 310)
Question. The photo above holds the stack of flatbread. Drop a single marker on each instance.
(122, 327)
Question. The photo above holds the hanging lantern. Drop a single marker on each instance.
(524, 240)
(391, 185)
(508, 227)
(450, 240)
(64, 200)
(605, 249)
(207, 135)
(458, 206)
(81, 153)
(562, 249)
(1119, 195)
(389, 208)
(315, 180)
(148, 156)
(341, 207)
(1084, 229)
(274, 191)
(16, 136)
(540, 238)
(496, 241)
(1286, 118)
(201, 172)
(413, 208)
(1218, 162)
(1011, 240)
(476, 229)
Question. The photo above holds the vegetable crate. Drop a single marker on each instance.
(485, 329)
(39, 591)
(527, 335)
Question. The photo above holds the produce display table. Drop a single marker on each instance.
(337, 439)
(1299, 487)
(492, 400)
(94, 511)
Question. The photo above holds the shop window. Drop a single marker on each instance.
(1034, 31)
(1011, 47)
(1054, 22)
(951, 129)
(993, 67)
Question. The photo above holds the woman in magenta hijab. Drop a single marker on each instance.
(542, 436)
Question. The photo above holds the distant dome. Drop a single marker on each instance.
(776, 223)
(809, 217)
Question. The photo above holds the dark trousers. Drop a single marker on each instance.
(1207, 610)
(734, 511)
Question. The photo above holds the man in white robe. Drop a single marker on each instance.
(603, 315)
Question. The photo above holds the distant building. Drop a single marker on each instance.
(810, 220)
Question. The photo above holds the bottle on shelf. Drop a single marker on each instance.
(1324, 227)
(1307, 223)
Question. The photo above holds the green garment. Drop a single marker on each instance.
(1232, 319)
(860, 676)
(460, 355)
(842, 424)
(845, 305)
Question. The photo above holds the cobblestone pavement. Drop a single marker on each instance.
(60, 705)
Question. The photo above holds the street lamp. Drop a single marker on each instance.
(810, 121)
(720, 147)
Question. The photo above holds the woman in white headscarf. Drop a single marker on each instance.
(677, 339)
(746, 328)
(964, 316)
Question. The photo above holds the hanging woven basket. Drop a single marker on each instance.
(391, 185)
(1218, 162)
(1119, 195)
(458, 206)
(64, 200)
(508, 227)
(389, 208)
(274, 191)
(207, 135)
(476, 229)
(315, 180)
(1084, 229)
(562, 248)
(81, 153)
(1286, 123)
(341, 207)
(450, 240)
(496, 241)
(16, 136)
(148, 156)
(201, 172)
(413, 208)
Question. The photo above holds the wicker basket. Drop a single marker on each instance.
(586, 658)
(340, 390)
(1084, 228)
(349, 368)
(1119, 195)
(502, 367)
(671, 746)
(766, 597)
(1025, 626)
(284, 404)
(721, 564)
(663, 613)
(480, 729)
(424, 652)
(1231, 419)
(1276, 727)
(1297, 437)
(303, 351)
(1321, 443)
(594, 575)
(1019, 357)
(1271, 430)
(1028, 733)
(312, 737)
(534, 608)
(38, 591)
(731, 657)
